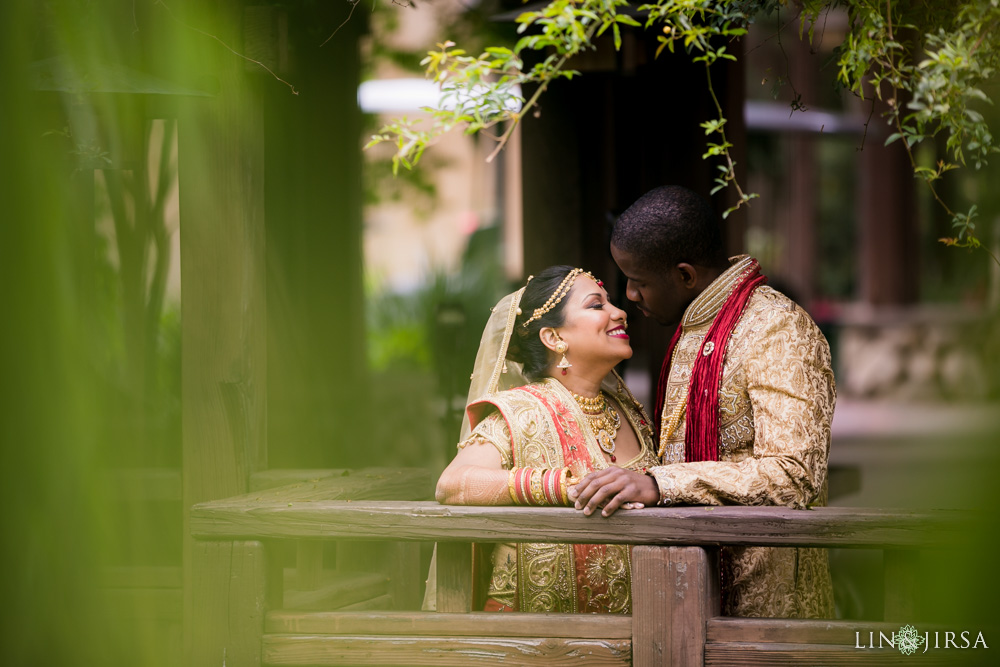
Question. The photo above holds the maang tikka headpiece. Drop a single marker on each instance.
(564, 287)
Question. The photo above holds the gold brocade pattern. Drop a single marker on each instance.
(492, 430)
(551, 577)
(610, 569)
(776, 402)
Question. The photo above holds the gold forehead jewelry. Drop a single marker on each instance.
(564, 287)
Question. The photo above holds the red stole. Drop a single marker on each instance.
(701, 425)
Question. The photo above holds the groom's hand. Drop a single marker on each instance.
(612, 488)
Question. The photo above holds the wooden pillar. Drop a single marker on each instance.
(228, 588)
(799, 223)
(317, 378)
(802, 196)
(729, 83)
(221, 174)
(889, 234)
(550, 178)
(675, 590)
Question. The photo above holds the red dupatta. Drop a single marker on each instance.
(701, 425)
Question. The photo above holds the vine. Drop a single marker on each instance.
(926, 61)
(482, 92)
(930, 83)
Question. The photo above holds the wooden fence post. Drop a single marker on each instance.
(223, 364)
(403, 567)
(229, 609)
(675, 590)
(454, 576)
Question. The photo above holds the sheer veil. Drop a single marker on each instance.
(493, 372)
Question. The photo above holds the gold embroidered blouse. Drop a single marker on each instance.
(776, 402)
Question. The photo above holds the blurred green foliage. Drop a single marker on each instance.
(422, 346)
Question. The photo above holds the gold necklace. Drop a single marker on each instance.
(672, 423)
(604, 421)
(675, 415)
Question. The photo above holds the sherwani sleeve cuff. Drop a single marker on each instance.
(667, 486)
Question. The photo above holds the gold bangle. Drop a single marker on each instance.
(510, 486)
(537, 494)
(564, 474)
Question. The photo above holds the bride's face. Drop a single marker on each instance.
(593, 328)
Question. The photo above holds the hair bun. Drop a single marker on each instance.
(514, 348)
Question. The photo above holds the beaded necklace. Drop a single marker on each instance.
(672, 423)
(675, 415)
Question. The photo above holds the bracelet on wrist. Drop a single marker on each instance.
(538, 486)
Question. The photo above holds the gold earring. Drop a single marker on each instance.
(561, 348)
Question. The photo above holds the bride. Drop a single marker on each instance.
(545, 408)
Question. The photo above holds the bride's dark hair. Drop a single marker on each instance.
(525, 345)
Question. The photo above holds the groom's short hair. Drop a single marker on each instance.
(670, 225)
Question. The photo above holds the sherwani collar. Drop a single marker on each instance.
(707, 305)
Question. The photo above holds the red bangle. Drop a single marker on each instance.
(547, 488)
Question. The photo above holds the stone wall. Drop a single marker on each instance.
(916, 353)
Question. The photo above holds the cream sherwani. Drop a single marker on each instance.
(776, 401)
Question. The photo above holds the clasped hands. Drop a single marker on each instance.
(613, 488)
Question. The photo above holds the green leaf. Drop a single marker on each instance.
(528, 41)
(663, 42)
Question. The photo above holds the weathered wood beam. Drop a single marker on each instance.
(795, 655)
(723, 630)
(443, 651)
(677, 526)
(814, 633)
(269, 479)
(337, 590)
(420, 624)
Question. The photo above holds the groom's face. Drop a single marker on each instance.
(659, 295)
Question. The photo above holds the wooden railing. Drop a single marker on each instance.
(675, 618)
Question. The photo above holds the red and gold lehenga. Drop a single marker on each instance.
(539, 425)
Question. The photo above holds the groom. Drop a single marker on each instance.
(743, 404)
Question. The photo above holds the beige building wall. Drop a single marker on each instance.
(406, 241)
